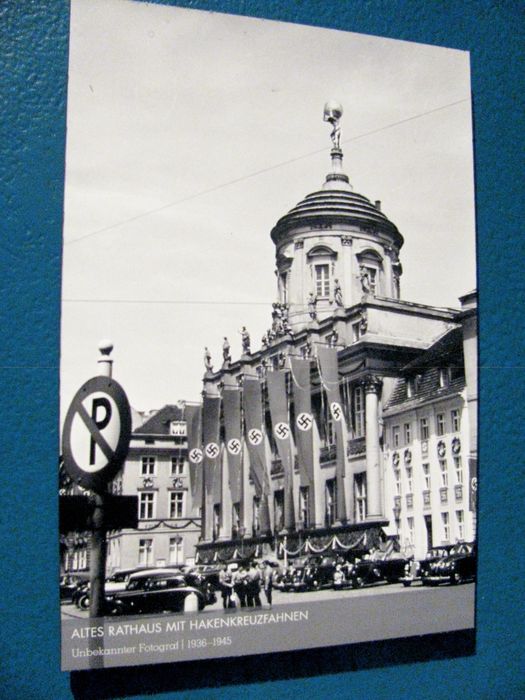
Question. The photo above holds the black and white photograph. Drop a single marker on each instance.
(268, 380)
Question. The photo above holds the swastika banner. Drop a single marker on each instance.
(259, 472)
(304, 422)
(231, 405)
(276, 383)
(329, 371)
(193, 415)
(210, 440)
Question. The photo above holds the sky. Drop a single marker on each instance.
(190, 133)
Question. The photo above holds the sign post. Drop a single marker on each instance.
(95, 443)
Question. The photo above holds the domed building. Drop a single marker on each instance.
(291, 447)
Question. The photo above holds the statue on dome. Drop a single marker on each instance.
(307, 350)
(312, 306)
(333, 112)
(245, 338)
(365, 279)
(332, 338)
(226, 356)
(338, 293)
(207, 360)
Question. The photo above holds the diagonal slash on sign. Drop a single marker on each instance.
(95, 432)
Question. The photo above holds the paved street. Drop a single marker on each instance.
(448, 596)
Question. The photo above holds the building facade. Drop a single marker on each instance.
(157, 472)
(318, 406)
(428, 461)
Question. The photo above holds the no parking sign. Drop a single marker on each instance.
(96, 435)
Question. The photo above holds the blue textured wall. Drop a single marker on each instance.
(34, 52)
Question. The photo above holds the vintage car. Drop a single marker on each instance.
(69, 584)
(118, 582)
(319, 572)
(458, 566)
(363, 572)
(159, 593)
(418, 570)
(292, 577)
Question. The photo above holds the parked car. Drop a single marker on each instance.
(69, 584)
(319, 572)
(364, 572)
(118, 582)
(158, 593)
(418, 570)
(458, 566)
(292, 576)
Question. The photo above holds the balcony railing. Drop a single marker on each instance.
(458, 492)
(443, 494)
(410, 500)
(426, 499)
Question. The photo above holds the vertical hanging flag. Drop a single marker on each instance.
(304, 420)
(211, 453)
(194, 435)
(473, 483)
(276, 383)
(253, 419)
(329, 373)
(231, 403)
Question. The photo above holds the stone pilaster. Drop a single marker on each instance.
(372, 387)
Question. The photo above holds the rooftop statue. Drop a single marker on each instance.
(333, 112)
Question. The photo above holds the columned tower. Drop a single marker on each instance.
(335, 246)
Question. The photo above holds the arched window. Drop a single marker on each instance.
(322, 262)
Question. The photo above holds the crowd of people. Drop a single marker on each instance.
(243, 586)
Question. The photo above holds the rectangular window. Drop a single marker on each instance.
(359, 412)
(330, 501)
(178, 428)
(360, 496)
(445, 521)
(356, 331)
(426, 476)
(148, 466)
(423, 427)
(397, 481)
(145, 552)
(455, 420)
(177, 465)
(177, 504)
(330, 430)
(460, 523)
(146, 505)
(395, 436)
(278, 510)
(458, 468)
(444, 377)
(176, 551)
(444, 472)
(407, 433)
(410, 526)
(409, 480)
(256, 523)
(440, 424)
(304, 506)
(322, 281)
(216, 520)
(236, 520)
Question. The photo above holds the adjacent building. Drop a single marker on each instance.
(157, 472)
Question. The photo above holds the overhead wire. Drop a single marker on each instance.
(228, 183)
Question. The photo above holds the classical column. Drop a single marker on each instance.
(373, 462)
